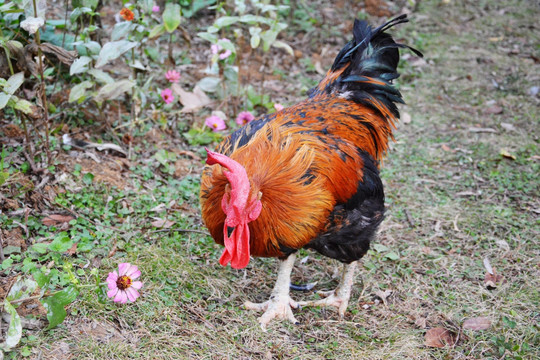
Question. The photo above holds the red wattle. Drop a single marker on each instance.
(236, 248)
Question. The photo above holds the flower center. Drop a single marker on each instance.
(123, 282)
(214, 125)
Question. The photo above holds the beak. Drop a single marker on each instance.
(230, 230)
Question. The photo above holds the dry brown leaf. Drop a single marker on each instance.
(439, 338)
(55, 219)
(383, 295)
(507, 155)
(191, 100)
(491, 281)
(421, 322)
(162, 223)
(447, 148)
(72, 250)
(508, 126)
(478, 323)
(495, 109)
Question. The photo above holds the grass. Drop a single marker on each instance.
(452, 200)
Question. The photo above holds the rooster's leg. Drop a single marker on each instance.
(338, 298)
(280, 303)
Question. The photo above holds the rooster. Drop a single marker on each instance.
(307, 176)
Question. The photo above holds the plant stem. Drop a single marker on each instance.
(170, 50)
(43, 92)
(63, 42)
(52, 294)
(1, 242)
(8, 55)
(133, 115)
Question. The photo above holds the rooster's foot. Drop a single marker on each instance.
(278, 307)
(339, 297)
(340, 301)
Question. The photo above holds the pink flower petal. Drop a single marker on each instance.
(137, 285)
(111, 280)
(122, 268)
(135, 275)
(132, 294)
(112, 276)
(225, 54)
(132, 269)
(112, 293)
(121, 297)
(215, 123)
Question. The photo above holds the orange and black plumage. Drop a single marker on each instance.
(312, 168)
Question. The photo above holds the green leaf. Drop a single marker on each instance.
(209, 84)
(21, 104)
(14, 332)
(88, 178)
(226, 21)
(22, 288)
(61, 243)
(114, 90)
(40, 6)
(392, 256)
(4, 99)
(80, 65)
(101, 76)
(380, 248)
(78, 11)
(158, 30)
(120, 30)
(268, 37)
(14, 82)
(55, 305)
(254, 19)
(40, 278)
(209, 37)
(212, 29)
(40, 248)
(283, 45)
(93, 47)
(255, 41)
(227, 45)
(113, 50)
(171, 17)
(79, 90)
(4, 175)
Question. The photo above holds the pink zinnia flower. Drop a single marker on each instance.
(173, 76)
(215, 123)
(245, 117)
(278, 107)
(167, 96)
(217, 49)
(121, 285)
(155, 8)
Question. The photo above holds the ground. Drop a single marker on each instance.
(461, 186)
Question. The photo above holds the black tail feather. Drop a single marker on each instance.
(370, 61)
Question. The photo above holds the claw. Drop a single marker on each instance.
(339, 297)
(275, 308)
(280, 304)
